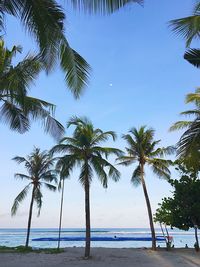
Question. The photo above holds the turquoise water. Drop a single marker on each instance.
(16, 237)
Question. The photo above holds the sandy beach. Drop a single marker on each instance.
(104, 257)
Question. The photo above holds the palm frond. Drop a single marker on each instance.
(113, 172)
(98, 165)
(76, 69)
(195, 112)
(160, 167)
(14, 117)
(194, 97)
(50, 187)
(44, 20)
(164, 151)
(103, 136)
(107, 151)
(136, 176)
(189, 141)
(188, 28)
(49, 176)
(86, 174)
(22, 176)
(179, 125)
(193, 57)
(22, 195)
(102, 7)
(38, 199)
(126, 160)
(79, 121)
(36, 109)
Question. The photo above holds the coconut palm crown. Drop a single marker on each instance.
(17, 109)
(84, 150)
(44, 20)
(40, 173)
(189, 29)
(189, 143)
(142, 149)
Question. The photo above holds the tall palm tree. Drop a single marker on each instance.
(17, 109)
(39, 165)
(83, 150)
(142, 149)
(189, 143)
(44, 20)
(189, 29)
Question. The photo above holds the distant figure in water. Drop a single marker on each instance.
(115, 236)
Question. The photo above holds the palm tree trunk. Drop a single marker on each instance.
(61, 209)
(87, 218)
(196, 238)
(30, 217)
(148, 208)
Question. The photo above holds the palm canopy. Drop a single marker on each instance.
(83, 150)
(189, 143)
(17, 109)
(142, 148)
(40, 172)
(44, 20)
(189, 29)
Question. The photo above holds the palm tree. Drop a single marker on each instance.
(17, 109)
(189, 29)
(83, 150)
(189, 143)
(142, 149)
(44, 20)
(39, 165)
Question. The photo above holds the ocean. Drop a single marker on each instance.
(16, 237)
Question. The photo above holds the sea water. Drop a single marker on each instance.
(16, 237)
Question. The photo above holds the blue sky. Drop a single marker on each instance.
(139, 77)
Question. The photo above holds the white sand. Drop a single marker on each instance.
(104, 257)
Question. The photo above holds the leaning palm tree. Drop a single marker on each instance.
(83, 150)
(39, 165)
(44, 20)
(189, 29)
(142, 149)
(189, 143)
(17, 109)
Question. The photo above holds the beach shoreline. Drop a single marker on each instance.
(105, 257)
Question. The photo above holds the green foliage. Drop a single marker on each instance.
(44, 20)
(182, 210)
(142, 148)
(39, 166)
(102, 7)
(189, 143)
(83, 150)
(189, 29)
(17, 109)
